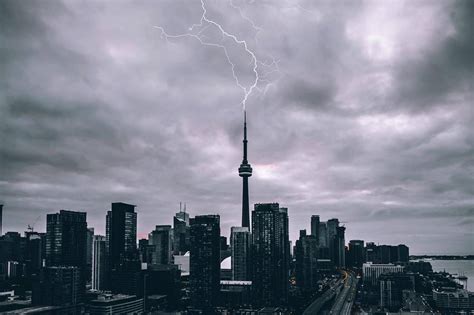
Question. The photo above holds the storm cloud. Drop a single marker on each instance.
(368, 116)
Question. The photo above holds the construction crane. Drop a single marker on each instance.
(31, 227)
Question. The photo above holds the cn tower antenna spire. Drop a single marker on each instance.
(245, 171)
(245, 136)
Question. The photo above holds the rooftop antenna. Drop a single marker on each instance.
(185, 207)
(180, 206)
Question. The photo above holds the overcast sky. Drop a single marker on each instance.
(361, 111)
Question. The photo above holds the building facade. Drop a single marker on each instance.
(204, 278)
(240, 252)
(356, 253)
(58, 286)
(115, 304)
(315, 222)
(121, 234)
(99, 263)
(306, 252)
(270, 255)
(66, 236)
(371, 272)
(160, 238)
(181, 232)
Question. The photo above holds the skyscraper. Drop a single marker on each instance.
(340, 247)
(121, 233)
(1, 219)
(66, 245)
(323, 235)
(181, 232)
(182, 215)
(306, 252)
(66, 234)
(98, 263)
(332, 226)
(240, 248)
(160, 238)
(34, 255)
(89, 241)
(403, 253)
(204, 278)
(58, 286)
(270, 254)
(315, 221)
(372, 253)
(385, 252)
(356, 253)
(245, 171)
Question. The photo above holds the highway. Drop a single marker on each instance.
(316, 306)
(345, 298)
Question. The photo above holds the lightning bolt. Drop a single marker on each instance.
(261, 70)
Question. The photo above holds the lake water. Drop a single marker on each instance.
(460, 267)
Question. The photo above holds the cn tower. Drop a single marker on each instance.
(245, 171)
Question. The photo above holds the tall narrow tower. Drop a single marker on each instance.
(245, 171)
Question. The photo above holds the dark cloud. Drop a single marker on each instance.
(446, 69)
(367, 117)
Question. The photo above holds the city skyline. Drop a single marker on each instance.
(356, 122)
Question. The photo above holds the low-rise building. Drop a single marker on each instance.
(371, 272)
(115, 304)
(454, 299)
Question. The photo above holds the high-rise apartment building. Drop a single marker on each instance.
(99, 263)
(121, 234)
(270, 254)
(240, 252)
(89, 241)
(204, 278)
(315, 223)
(356, 253)
(58, 286)
(1, 219)
(306, 252)
(340, 247)
(66, 235)
(160, 238)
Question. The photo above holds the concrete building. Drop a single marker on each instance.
(391, 289)
(240, 251)
(58, 286)
(99, 263)
(121, 234)
(115, 304)
(160, 238)
(315, 224)
(204, 278)
(356, 253)
(454, 299)
(66, 237)
(245, 171)
(270, 255)
(1, 220)
(181, 232)
(371, 272)
(306, 252)
(235, 293)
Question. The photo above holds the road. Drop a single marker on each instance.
(345, 298)
(316, 306)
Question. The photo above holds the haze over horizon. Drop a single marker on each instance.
(363, 112)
